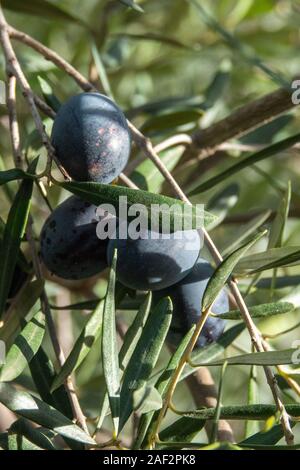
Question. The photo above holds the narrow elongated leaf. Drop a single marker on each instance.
(97, 193)
(145, 355)
(110, 359)
(244, 231)
(148, 177)
(41, 8)
(37, 436)
(183, 430)
(14, 174)
(48, 94)
(277, 228)
(270, 437)
(269, 259)
(43, 375)
(172, 121)
(12, 236)
(223, 271)
(268, 358)
(132, 4)
(217, 88)
(101, 70)
(24, 348)
(90, 333)
(16, 442)
(154, 37)
(27, 406)
(245, 162)
(280, 283)
(251, 427)
(146, 399)
(147, 421)
(257, 412)
(260, 311)
(134, 332)
(269, 447)
(24, 303)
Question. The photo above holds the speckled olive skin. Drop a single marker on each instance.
(154, 264)
(187, 297)
(70, 247)
(91, 138)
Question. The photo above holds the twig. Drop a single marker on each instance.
(127, 181)
(240, 122)
(49, 54)
(13, 67)
(13, 123)
(174, 141)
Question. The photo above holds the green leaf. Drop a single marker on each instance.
(219, 85)
(148, 177)
(43, 375)
(277, 228)
(223, 271)
(90, 333)
(147, 421)
(257, 412)
(110, 359)
(145, 355)
(268, 358)
(269, 259)
(183, 430)
(48, 94)
(16, 442)
(244, 231)
(41, 8)
(101, 70)
(27, 406)
(251, 426)
(270, 437)
(270, 447)
(154, 37)
(259, 311)
(216, 418)
(97, 194)
(132, 4)
(146, 399)
(24, 304)
(24, 348)
(172, 121)
(134, 332)
(245, 162)
(38, 436)
(12, 236)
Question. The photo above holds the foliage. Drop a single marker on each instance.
(175, 68)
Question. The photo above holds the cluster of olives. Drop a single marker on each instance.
(92, 141)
